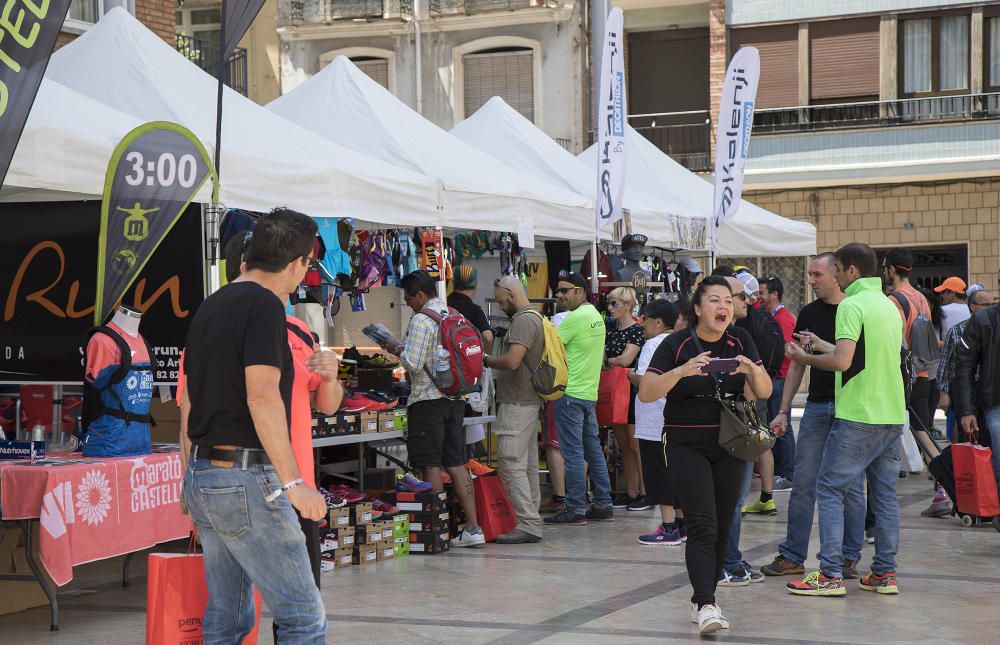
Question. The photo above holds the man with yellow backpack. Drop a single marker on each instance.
(530, 369)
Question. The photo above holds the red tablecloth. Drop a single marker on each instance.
(92, 511)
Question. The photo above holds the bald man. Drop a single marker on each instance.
(517, 408)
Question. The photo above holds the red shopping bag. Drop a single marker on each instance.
(975, 482)
(176, 596)
(613, 397)
(496, 515)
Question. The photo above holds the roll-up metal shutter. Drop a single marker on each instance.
(508, 74)
(376, 68)
(844, 58)
(779, 62)
(668, 71)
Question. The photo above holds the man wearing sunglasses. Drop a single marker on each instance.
(583, 333)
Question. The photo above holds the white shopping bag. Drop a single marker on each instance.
(911, 460)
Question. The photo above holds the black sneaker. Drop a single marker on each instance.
(640, 503)
(567, 517)
(599, 514)
(622, 501)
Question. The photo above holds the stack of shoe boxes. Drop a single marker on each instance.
(337, 546)
(366, 535)
(428, 516)
(401, 534)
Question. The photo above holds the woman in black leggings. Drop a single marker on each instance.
(705, 477)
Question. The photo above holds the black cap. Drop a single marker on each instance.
(575, 279)
(663, 310)
(634, 239)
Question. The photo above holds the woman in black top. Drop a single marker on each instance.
(621, 349)
(706, 478)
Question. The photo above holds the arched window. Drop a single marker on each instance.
(507, 72)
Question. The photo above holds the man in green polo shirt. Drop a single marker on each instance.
(583, 334)
(867, 436)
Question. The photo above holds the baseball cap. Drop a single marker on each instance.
(634, 239)
(575, 279)
(750, 284)
(951, 284)
(973, 288)
(465, 277)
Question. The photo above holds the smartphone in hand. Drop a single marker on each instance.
(723, 365)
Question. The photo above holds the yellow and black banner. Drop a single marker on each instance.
(154, 173)
(28, 32)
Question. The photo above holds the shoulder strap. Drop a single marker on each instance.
(903, 301)
(298, 331)
(124, 352)
(701, 350)
(432, 314)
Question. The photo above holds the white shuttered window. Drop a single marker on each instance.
(508, 74)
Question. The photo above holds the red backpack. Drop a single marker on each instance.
(460, 339)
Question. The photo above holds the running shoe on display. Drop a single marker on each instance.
(478, 469)
(346, 492)
(385, 509)
(333, 501)
(355, 403)
(408, 483)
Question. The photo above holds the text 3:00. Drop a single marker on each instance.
(166, 170)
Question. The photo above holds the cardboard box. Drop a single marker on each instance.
(344, 423)
(326, 565)
(339, 517)
(386, 529)
(429, 543)
(328, 545)
(360, 513)
(365, 553)
(401, 546)
(343, 557)
(368, 534)
(416, 502)
(344, 535)
(427, 522)
(386, 550)
(400, 525)
(369, 422)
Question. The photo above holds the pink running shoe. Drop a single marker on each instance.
(346, 492)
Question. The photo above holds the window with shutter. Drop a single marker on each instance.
(507, 73)
(668, 71)
(779, 62)
(934, 55)
(844, 59)
(375, 68)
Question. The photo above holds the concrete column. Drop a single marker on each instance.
(976, 49)
(888, 56)
(718, 55)
(805, 69)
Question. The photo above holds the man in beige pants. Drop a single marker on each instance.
(517, 409)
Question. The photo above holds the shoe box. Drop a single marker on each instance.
(369, 422)
(339, 517)
(385, 550)
(416, 502)
(369, 533)
(342, 535)
(429, 542)
(343, 423)
(360, 513)
(420, 522)
(400, 525)
(392, 420)
(365, 553)
(343, 557)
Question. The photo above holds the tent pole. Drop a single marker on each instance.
(594, 279)
(442, 285)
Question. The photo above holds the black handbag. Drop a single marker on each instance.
(741, 434)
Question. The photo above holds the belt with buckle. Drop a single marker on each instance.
(231, 456)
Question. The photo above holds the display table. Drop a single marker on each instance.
(93, 509)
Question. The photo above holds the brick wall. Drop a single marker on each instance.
(64, 38)
(718, 57)
(960, 212)
(158, 16)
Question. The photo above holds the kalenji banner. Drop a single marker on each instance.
(28, 32)
(611, 124)
(154, 174)
(732, 138)
(238, 14)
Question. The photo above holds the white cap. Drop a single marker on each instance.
(750, 284)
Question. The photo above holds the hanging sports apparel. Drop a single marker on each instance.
(336, 260)
(408, 262)
(430, 253)
(118, 389)
(604, 270)
(357, 301)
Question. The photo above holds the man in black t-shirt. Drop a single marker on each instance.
(464, 284)
(235, 415)
(815, 330)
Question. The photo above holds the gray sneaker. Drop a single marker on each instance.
(468, 537)
(937, 509)
(782, 484)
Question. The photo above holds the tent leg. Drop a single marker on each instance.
(595, 281)
(442, 285)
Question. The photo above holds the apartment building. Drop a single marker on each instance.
(82, 14)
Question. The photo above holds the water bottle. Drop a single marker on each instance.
(444, 360)
(38, 432)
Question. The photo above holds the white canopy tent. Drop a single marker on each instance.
(342, 104)
(501, 131)
(266, 161)
(753, 231)
(64, 150)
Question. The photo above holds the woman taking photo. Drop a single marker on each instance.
(706, 479)
(621, 349)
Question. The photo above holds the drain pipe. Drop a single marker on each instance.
(419, 57)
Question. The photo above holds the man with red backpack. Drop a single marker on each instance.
(436, 437)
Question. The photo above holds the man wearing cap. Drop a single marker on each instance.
(632, 246)
(953, 307)
(583, 334)
(979, 299)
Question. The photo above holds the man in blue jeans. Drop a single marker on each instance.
(815, 329)
(583, 333)
(772, 291)
(866, 437)
(976, 387)
(241, 483)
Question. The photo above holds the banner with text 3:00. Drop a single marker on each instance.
(154, 173)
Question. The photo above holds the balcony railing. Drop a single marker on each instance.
(471, 7)
(205, 55)
(807, 118)
(685, 136)
(326, 11)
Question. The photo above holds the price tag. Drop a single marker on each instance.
(526, 231)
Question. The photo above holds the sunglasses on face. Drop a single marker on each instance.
(613, 303)
(498, 285)
(564, 290)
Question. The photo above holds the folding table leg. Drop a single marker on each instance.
(30, 557)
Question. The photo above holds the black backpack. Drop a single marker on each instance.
(93, 407)
(769, 339)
